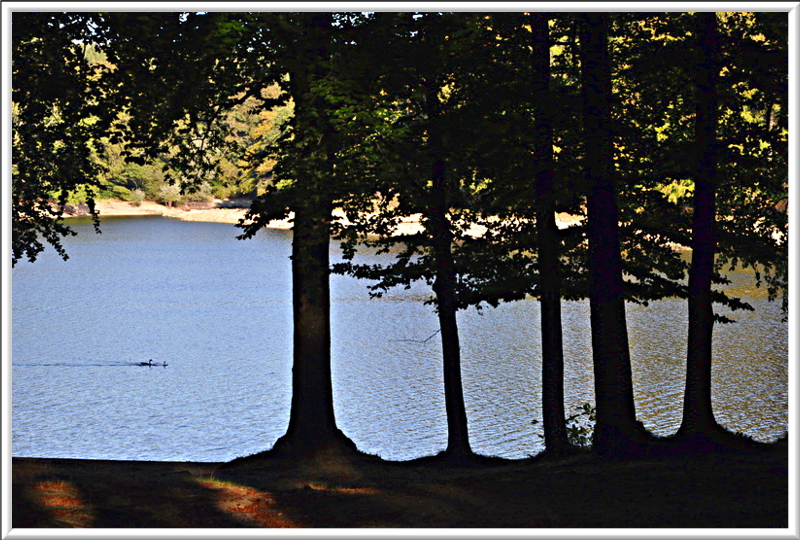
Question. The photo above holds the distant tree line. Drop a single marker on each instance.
(249, 130)
(661, 131)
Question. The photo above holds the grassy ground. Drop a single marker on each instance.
(719, 489)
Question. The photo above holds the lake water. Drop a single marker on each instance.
(218, 310)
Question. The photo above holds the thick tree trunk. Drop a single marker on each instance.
(555, 432)
(312, 425)
(616, 416)
(312, 420)
(698, 416)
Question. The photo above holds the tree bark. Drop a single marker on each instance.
(616, 416)
(555, 432)
(444, 288)
(312, 424)
(312, 420)
(698, 416)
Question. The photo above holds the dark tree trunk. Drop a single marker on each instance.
(312, 425)
(444, 288)
(555, 432)
(312, 418)
(698, 416)
(616, 416)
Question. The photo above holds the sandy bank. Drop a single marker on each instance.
(218, 215)
(233, 215)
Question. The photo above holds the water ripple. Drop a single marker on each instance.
(166, 290)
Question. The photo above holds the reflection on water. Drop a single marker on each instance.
(219, 311)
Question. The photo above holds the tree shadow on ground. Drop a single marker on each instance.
(670, 485)
(745, 485)
(50, 493)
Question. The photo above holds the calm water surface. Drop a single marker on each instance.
(218, 311)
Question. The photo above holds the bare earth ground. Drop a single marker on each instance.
(347, 490)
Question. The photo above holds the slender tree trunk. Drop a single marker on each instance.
(555, 432)
(616, 416)
(698, 416)
(312, 424)
(445, 289)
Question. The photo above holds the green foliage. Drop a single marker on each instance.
(655, 112)
(94, 55)
(580, 426)
(677, 190)
(168, 194)
(223, 121)
(441, 98)
(78, 196)
(58, 110)
(137, 197)
(226, 123)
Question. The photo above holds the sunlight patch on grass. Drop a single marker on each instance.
(64, 503)
(321, 486)
(247, 505)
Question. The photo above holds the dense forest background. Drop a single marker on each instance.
(249, 128)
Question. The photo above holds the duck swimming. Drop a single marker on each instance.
(151, 363)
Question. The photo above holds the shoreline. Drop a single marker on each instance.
(118, 208)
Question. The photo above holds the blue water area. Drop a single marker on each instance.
(218, 311)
